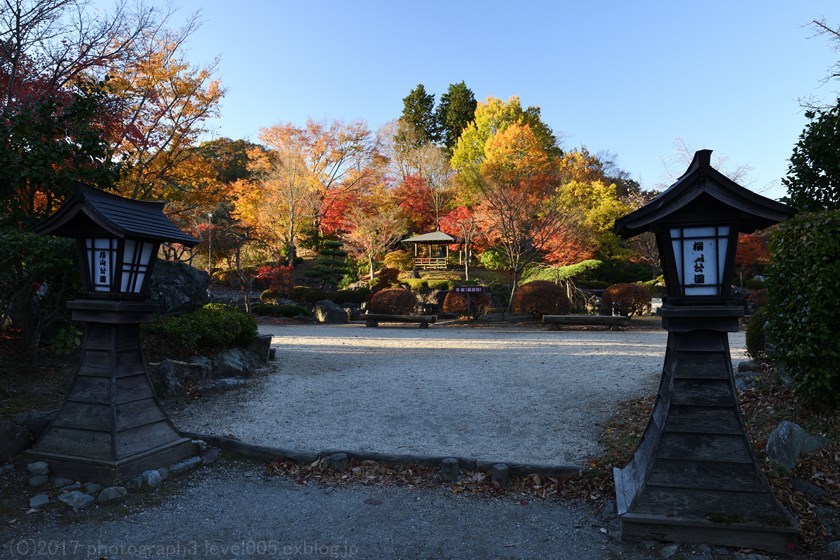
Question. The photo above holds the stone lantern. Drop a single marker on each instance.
(111, 426)
(694, 477)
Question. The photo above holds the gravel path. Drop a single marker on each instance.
(509, 394)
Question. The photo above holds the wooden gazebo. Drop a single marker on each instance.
(431, 250)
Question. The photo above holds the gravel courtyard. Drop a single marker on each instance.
(501, 393)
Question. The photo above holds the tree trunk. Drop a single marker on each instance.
(372, 264)
(466, 263)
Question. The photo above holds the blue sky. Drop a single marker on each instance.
(627, 77)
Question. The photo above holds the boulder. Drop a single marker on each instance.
(76, 500)
(329, 312)
(112, 494)
(261, 347)
(234, 362)
(36, 421)
(13, 439)
(788, 441)
(222, 385)
(170, 377)
(178, 287)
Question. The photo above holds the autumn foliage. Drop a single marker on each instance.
(540, 297)
(626, 299)
(393, 301)
(475, 304)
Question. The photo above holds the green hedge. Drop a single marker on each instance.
(804, 305)
(212, 328)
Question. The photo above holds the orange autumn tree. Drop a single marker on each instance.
(752, 255)
(374, 224)
(518, 208)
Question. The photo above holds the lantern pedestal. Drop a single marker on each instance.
(694, 478)
(111, 426)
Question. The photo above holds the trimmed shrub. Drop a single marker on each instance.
(306, 294)
(399, 259)
(350, 296)
(441, 284)
(386, 278)
(758, 298)
(274, 310)
(456, 304)
(210, 329)
(416, 284)
(804, 287)
(393, 301)
(754, 334)
(627, 299)
(540, 297)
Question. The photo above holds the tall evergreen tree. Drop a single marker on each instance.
(418, 110)
(454, 112)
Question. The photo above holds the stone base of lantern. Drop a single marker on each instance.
(111, 426)
(694, 477)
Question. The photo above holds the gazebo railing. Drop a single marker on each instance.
(430, 263)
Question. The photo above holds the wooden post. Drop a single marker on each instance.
(449, 469)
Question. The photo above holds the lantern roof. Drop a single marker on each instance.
(704, 194)
(93, 212)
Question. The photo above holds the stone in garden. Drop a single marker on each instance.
(164, 473)
(38, 480)
(170, 377)
(178, 287)
(152, 478)
(61, 482)
(339, 462)
(76, 500)
(13, 439)
(449, 469)
(210, 456)
(36, 421)
(833, 547)
(234, 362)
(330, 312)
(185, 465)
(261, 347)
(222, 385)
(134, 484)
(788, 441)
(92, 488)
(39, 500)
(206, 365)
(38, 467)
(112, 494)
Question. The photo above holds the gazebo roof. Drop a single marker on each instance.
(90, 211)
(702, 186)
(433, 237)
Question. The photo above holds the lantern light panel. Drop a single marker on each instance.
(700, 254)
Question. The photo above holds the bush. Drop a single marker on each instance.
(274, 310)
(306, 294)
(627, 299)
(350, 296)
(441, 285)
(802, 314)
(493, 259)
(277, 278)
(755, 334)
(613, 271)
(416, 284)
(540, 297)
(386, 278)
(479, 304)
(212, 328)
(758, 298)
(399, 260)
(393, 301)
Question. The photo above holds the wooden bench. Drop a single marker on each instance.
(613, 322)
(373, 319)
